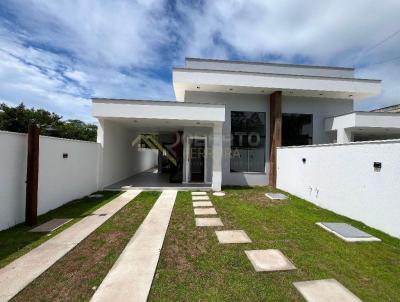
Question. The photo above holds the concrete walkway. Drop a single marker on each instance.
(22, 271)
(152, 180)
(131, 276)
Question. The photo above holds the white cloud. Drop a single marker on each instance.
(113, 33)
(56, 54)
(334, 32)
(320, 30)
(59, 53)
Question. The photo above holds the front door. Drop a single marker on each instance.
(196, 158)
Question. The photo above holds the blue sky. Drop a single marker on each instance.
(57, 54)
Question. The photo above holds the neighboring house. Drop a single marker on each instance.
(229, 118)
(393, 108)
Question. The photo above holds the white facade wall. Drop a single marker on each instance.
(235, 102)
(60, 179)
(342, 178)
(320, 108)
(13, 154)
(120, 158)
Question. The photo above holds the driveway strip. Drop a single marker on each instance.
(132, 274)
(22, 271)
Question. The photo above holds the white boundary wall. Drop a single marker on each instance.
(60, 179)
(342, 178)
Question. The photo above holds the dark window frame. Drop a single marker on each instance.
(289, 135)
(249, 125)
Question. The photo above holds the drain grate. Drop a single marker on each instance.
(347, 232)
(276, 196)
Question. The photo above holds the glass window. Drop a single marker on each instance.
(247, 141)
(297, 129)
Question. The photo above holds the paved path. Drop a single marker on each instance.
(22, 271)
(131, 276)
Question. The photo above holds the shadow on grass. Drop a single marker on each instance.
(16, 241)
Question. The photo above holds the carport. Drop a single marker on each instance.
(159, 145)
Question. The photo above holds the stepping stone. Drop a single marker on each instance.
(200, 198)
(269, 261)
(205, 211)
(276, 196)
(219, 194)
(199, 193)
(202, 204)
(329, 290)
(346, 232)
(50, 225)
(237, 236)
(205, 222)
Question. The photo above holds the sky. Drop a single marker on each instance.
(56, 55)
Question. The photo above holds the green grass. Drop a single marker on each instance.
(193, 266)
(76, 275)
(17, 241)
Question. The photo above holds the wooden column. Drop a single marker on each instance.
(32, 176)
(275, 110)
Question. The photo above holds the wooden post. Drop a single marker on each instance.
(275, 110)
(32, 175)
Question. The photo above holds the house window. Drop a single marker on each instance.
(297, 129)
(247, 141)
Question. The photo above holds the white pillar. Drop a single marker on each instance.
(343, 136)
(217, 157)
(100, 163)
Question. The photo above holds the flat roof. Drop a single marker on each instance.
(268, 63)
(157, 110)
(366, 113)
(256, 82)
(184, 69)
(96, 98)
(155, 102)
(363, 119)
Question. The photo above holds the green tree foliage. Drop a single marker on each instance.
(17, 119)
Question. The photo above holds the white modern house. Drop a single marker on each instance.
(228, 120)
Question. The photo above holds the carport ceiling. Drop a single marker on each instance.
(158, 125)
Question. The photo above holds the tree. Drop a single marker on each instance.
(17, 119)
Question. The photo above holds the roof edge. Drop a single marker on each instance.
(168, 103)
(364, 112)
(272, 74)
(269, 64)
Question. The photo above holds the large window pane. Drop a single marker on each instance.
(239, 160)
(247, 141)
(297, 129)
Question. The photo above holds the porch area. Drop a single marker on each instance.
(152, 179)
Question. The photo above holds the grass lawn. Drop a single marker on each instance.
(16, 241)
(76, 276)
(195, 267)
